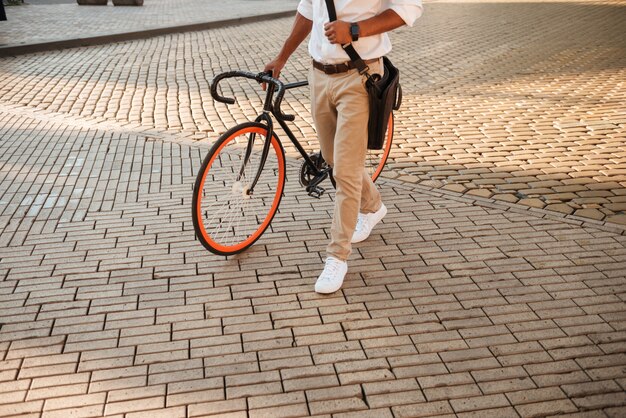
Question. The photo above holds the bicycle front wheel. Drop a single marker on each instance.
(376, 159)
(228, 215)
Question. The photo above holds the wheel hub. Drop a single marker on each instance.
(241, 189)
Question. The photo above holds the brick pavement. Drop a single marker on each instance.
(458, 305)
(454, 307)
(491, 108)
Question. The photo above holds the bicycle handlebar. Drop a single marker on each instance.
(260, 78)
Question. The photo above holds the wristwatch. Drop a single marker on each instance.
(355, 31)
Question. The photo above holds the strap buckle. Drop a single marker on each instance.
(359, 64)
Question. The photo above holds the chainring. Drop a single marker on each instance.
(306, 173)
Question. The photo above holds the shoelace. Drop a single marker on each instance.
(332, 266)
(360, 222)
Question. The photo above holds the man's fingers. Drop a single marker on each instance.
(330, 35)
(331, 32)
(275, 74)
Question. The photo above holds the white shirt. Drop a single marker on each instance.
(353, 11)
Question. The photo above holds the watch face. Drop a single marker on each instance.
(354, 31)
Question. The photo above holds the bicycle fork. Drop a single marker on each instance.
(265, 152)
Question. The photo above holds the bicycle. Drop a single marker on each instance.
(241, 181)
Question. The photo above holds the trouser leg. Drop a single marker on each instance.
(370, 196)
(340, 110)
(323, 112)
(349, 157)
(345, 151)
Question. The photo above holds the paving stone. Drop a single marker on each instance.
(480, 192)
(507, 197)
(619, 219)
(534, 203)
(562, 208)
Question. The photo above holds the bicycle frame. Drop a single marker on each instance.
(293, 138)
(270, 108)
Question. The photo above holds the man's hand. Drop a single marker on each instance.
(275, 66)
(338, 32)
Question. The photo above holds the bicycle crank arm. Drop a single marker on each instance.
(313, 189)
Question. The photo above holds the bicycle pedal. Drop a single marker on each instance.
(315, 192)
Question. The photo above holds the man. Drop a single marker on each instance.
(340, 109)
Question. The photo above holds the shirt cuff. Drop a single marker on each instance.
(408, 13)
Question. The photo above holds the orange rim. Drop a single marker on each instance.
(385, 154)
(276, 201)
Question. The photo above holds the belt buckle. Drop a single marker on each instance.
(329, 68)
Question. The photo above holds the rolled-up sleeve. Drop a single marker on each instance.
(408, 10)
(305, 8)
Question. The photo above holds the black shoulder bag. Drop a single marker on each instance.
(385, 94)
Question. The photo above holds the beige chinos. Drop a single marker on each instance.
(340, 109)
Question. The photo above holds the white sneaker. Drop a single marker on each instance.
(331, 278)
(366, 222)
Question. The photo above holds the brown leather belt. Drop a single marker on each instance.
(339, 68)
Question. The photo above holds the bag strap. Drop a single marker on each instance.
(354, 56)
(398, 102)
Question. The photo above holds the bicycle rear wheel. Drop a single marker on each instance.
(376, 159)
(227, 217)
